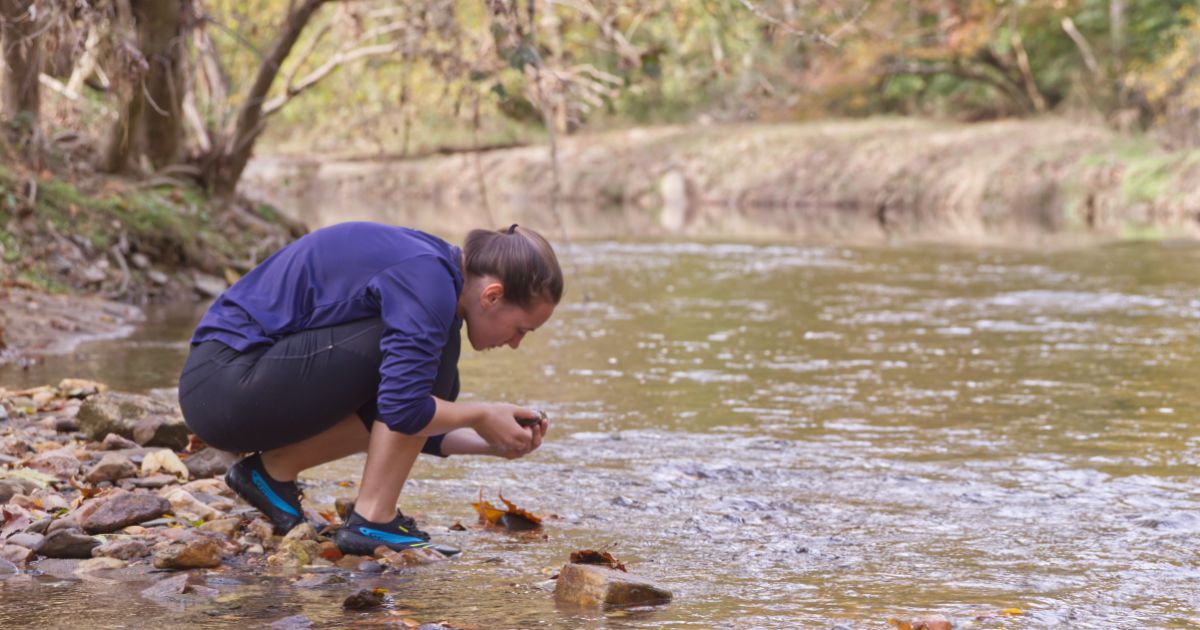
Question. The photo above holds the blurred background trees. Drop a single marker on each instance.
(189, 88)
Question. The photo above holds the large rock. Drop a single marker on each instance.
(145, 420)
(111, 467)
(210, 462)
(595, 585)
(68, 543)
(120, 509)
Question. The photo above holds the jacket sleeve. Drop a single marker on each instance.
(417, 303)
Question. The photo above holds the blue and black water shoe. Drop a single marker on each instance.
(279, 501)
(360, 537)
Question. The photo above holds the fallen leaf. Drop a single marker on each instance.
(163, 460)
(41, 479)
(591, 556)
(513, 518)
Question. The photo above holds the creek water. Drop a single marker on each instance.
(792, 436)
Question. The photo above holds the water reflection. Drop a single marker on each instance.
(797, 437)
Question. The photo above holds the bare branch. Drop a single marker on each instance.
(1089, 57)
(325, 69)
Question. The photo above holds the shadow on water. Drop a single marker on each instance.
(796, 437)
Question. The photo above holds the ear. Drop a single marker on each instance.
(492, 295)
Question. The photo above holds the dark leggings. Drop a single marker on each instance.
(305, 383)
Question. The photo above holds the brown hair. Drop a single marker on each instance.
(520, 259)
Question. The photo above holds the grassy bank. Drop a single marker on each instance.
(124, 239)
(846, 181)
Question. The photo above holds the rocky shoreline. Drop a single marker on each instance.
(96, 484)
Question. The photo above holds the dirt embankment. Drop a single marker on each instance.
(855, 181)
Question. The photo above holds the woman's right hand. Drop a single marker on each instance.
(498, 426)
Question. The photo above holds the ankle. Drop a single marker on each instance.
(374, 513)
(275, 468)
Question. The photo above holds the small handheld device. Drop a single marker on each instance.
(529, 422)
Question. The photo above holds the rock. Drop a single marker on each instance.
(10, 487)
(409, 557)
(208, 286)
(368, 566)
(154, 481)
(344, 506)
(157, 277)
(157, 423)
(111, 467)
(29, 540)
(139, 260)
(50, 501)
(226, 527)
(80, 388)
(294, 554)
(7, 568)
(303, 531)
(59, 462)
(100, 563)
(16, 554)
(594, 585)
(188, 507)
(68, 543)
(63, 424)
(192, 553)
(364, 599)
(122, 549)
(59, 524)
(122, 508)
(180, 589)
(14, 446)
(262, 530)
(215, 487)
(320, 579)
(295, 622)
(114, 442)
(929, 622)
(210, 462)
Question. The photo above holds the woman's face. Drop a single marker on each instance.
(493, 322)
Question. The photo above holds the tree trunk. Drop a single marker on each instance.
(230, 156)
(23, 57)
(120, 148)
(161, 36)
(150, 122)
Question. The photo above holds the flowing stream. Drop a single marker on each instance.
(790, 436)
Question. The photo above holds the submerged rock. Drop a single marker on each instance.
(143, 419)
(364, 599)
(120, 509)
(68, 543)
(183, 588)
(594, 585)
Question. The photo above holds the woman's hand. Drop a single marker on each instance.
(498, 426)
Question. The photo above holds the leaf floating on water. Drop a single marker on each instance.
(591, 556)
(513, 518)
(517, 519)
(1007, 612)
